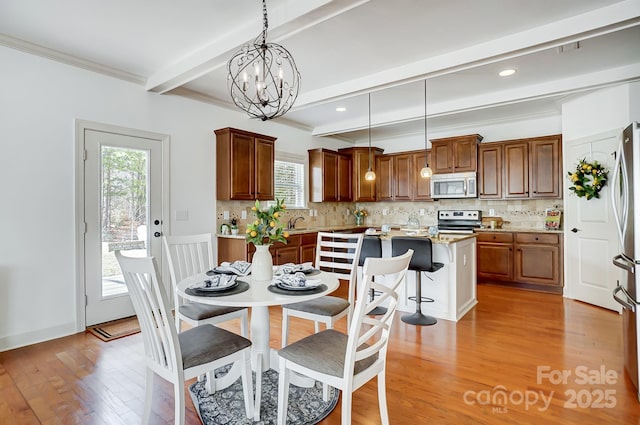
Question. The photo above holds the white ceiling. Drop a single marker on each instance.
(345, 49)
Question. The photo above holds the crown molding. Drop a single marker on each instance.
(55, 55)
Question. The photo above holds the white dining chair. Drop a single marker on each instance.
(175, 356)
(337, 253)
(348, 361)
(189, 255)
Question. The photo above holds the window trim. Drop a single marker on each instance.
(302, 160)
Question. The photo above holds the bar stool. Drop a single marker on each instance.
(422, 261)
(371, 247)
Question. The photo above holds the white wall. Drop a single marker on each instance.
(39, 102)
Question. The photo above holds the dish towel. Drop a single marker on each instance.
(241, 268)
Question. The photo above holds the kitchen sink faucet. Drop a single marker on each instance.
(292, 222)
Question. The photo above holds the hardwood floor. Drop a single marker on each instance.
(449, 373)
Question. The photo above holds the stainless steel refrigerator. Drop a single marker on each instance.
(625, 191)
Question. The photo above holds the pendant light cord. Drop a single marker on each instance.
(369, 131)
(426, 163)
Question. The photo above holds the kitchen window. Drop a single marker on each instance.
(289, 180)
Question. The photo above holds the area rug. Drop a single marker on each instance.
(227, 406)
(109, 331)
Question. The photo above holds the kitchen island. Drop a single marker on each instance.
(453, 287)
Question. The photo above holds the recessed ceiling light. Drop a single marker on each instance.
(507, 72)
(341, 109)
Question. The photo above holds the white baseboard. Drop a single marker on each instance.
(20, 340)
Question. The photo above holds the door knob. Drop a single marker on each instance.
(574, 230)
(156, 222)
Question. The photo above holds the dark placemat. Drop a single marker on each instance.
(320, 288)
(238, 289)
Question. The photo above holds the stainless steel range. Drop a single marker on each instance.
(459, 221)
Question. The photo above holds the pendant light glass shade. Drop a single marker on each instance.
(426, 171)
(370, 175)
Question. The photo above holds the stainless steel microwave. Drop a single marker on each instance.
(454, 185)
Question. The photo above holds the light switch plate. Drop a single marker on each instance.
(225, 215)
(385, 211)
(243, 214)
(492, 212)
(421, 211)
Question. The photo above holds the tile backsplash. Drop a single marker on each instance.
(517, 214)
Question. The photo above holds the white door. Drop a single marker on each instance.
(122, 211)
(590, 234)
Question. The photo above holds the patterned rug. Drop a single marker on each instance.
(227, 406)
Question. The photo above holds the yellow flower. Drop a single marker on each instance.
(276, 214)
(254, 209)
(578, 187)
(253, 233)
(248, 231)
(255, 223)
(272, 224)
(584, 166)
(285, 234)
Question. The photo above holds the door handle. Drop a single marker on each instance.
(157, 234)
(625, 303)
(574, 230)
(624, 264)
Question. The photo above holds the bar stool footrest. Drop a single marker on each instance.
(422, 299)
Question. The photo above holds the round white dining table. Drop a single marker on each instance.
(259, 298)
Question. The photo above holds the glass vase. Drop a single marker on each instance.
(359, 220)
(262, 263)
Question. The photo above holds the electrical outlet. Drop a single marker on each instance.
(385, 211)
(243, 214)
(421, 211)
(315, 212)
(492, 212)
(225, 215)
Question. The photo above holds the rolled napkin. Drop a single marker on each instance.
(295, 281)
(241, 268)
(291, 268)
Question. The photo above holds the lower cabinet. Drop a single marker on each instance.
(299, 249)
(528, 260)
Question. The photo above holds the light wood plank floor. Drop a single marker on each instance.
(444, 374)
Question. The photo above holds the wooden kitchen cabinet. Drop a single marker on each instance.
(455, 154)
(395, 177)
(490, 171)
(495, 256)
(533, 168)
(300, 248)
(244, 165)
(522, 259)
(421, 185)
(538, 259)
(330, 176)
(362, 190)
(308, 243)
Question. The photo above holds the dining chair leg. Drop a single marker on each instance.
(256, 411)
(210, 383)
(347, 397)
(148, 396)
(325, 392)
(249, 405)
(178, 399)
(283, 393)
(244, 324)
(285, 328)
(382, 398)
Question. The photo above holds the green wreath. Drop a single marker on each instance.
(588, 179)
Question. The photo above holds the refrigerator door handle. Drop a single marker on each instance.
(625, 264)
(625, 303)
(614, 201)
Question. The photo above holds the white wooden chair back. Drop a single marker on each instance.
(369, 335)
(338, 253)
(188, 255)
(161, 345)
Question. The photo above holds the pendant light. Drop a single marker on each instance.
(370, 175)
(426, 171)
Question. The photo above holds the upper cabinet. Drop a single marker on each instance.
(455, 154)
(244, 165)
(330, 176)
(362, 190)
(521, 169)
(421, 185)
(395, 177)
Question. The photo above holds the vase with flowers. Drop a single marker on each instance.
(262, 232)
(359, 214)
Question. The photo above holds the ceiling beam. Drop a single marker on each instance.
(591, 24)
(284, 21)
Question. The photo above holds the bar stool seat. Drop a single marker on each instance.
(371, 247)
(422, 261)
